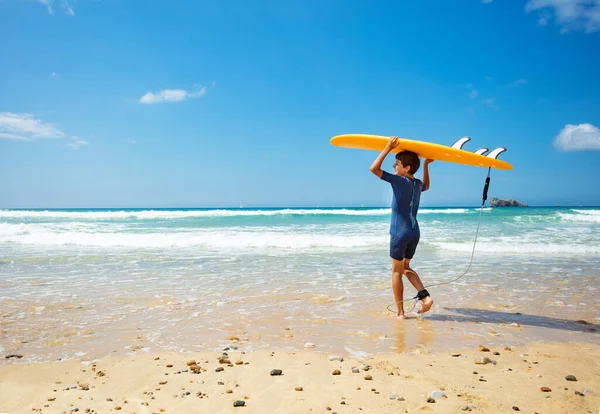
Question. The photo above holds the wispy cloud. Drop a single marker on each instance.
(65, 5)
(171, 95)
(580, 137)
(473, 94)
(56, 75)
(570, 15)
(490, 103)
(25, 127)
(517, 83)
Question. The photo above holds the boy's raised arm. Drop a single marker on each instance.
(426, 173)
(376, 166)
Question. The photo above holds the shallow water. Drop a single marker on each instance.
(84, 283)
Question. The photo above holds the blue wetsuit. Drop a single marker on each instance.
(404, 228)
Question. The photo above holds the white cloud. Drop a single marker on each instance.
(473, 94)
(65, 5)
(170, 95)
(77, 142)
(569, 14)
(490, 102)
(56, 75)
(517, 83)
(25, 127)
(578, 138)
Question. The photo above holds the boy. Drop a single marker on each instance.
(404, 228)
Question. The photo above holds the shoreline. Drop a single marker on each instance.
(149, 382)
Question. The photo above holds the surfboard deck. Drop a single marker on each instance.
(421, 148)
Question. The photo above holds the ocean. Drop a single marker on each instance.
(86, 282)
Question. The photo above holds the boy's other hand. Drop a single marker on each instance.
(392, 143)
(428, 161)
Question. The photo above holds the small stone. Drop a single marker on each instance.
(328, 408)
(358, 388)
(586, 391)
(365, 367)
(276, 372)
(343, 403)
(430, 400)
(52, 399)
(309, 345)
(239, 403)
(162, 383)
(191, 362)
(239, 362)
(484, 348)
(571, 378)
(157, 358)
(220, 383)
(13, 356)
(368, 377)
(219, 369)
(169, 365)
(545, 389)
(233, 338)
(229, 391)
(468, 407)
(475, 372)
(336, 372)
(438, 394)
(507, 348)
(336, 358)
(515, 408)
(109, 399)
(483, 361)
(456, 355)
(118, 407)
(579, 393)
(496, 353)
(394, 397)
(299, 389)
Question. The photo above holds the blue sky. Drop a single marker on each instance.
(220, 103)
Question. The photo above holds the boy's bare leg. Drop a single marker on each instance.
(397, 286)
(415, 280)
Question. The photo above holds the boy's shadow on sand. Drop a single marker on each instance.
(486, 316)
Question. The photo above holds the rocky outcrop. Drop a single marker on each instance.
(497, 202)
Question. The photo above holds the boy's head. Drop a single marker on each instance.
(407, 162)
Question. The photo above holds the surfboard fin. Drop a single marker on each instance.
(459, 143)
(494, 154)
(481, 151)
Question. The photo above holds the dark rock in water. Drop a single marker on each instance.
(571, 378)
(497, 202)
(276, 372)
(239, 403)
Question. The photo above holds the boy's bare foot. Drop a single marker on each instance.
(426, 304)
(400, 316)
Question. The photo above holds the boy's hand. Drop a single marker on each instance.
(392, 143)
(428, 161)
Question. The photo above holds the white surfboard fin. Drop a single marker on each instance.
(459, 144)
(494, 154)
(481, 151)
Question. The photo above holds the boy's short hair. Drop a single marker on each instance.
(411, 159)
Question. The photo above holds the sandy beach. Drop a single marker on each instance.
(542, 378)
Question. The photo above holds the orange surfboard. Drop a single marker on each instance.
(455, 153)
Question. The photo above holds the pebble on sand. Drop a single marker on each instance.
(484, 348)
(336, 358)
(430, 400)
(571, 378)
(276, 372)
(299, 389)
(468, 407)
(219, 369)
(229, 391)
(169, 365)
(483, 361)
(191, 362)
(336, 372)
(545, 389)
(368, 377)
(438, 394)
(355, 370)
(309, 345)
(233, 338)
(239, 403)
(515, 408)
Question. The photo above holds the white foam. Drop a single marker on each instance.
(517, 247)
(175, 214)
(582, 216)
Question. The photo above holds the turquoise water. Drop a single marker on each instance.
(78, 282)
